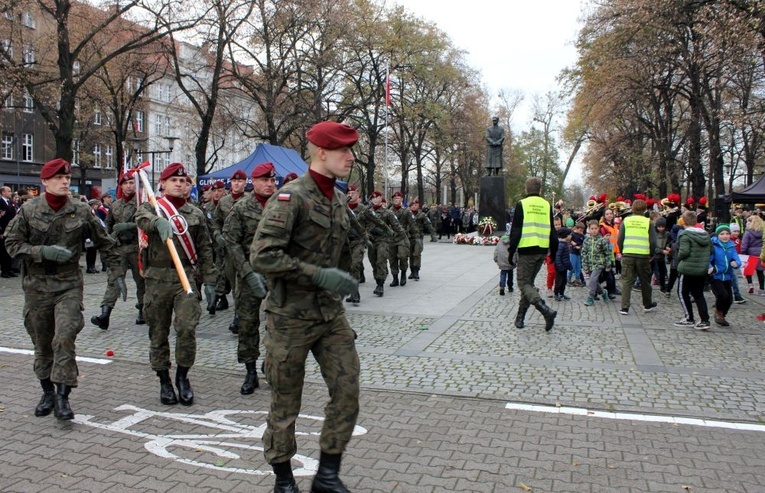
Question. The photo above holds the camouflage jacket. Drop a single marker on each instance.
(371, 222)
(37, 225)
(390, 219)
(404, 217)
(159, 264)
(300, 232)
(225, 206)
(420, 225)
(123, 212)
(239, 229)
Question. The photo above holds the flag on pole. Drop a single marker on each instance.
(387, 87)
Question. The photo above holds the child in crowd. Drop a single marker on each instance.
(577, 239)
(751, 244)
(735, 238)
(596, 258)
(722, 264)
(660, 255)
(673, 260)
(562, 263)
(693, 254)
(505, 266)
(550, 262)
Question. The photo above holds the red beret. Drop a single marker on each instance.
(218, 184)
(206, 188)
(174, 169)
(416, 202)
(290, 176)
(55, 167)
(239, 175)
(376, 193)
(352, 188)
(702, 202)
(266, 170)
(332, 135)
(397, 194)
(189, 180)
(126, 177)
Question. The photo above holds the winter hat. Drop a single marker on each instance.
(563, 232)
(570, 222)
(735, 227)
(722, 227)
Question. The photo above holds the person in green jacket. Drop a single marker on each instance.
(694, 248)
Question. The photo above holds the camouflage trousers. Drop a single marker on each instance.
(526, 272)
(224, 266)
(378, 257)
(399, 256)
(163, 298)
(415, 251)
(53, 319)
(248, 310)
(357, 259)
(288, 342)
(129, 259)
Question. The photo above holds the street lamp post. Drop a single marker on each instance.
(171, 144)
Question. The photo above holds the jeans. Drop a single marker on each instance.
(506, 278)
(576, 267)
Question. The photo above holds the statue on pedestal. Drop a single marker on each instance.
(495, 138)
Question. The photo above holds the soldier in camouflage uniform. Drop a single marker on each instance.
(225, 206)
(46, 235)
(399, 254)
(120, 224)
(217, 191)
(383, 244)
(419, 225)
(164, 293)
(357, 239)
(238, 230)
(301, 246)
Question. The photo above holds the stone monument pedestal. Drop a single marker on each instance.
(492, 201)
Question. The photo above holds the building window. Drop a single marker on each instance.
(97, 117)
(27, 20)
(8, 14)
(76, 152)
(7, 47)
(160, 91)
(8, 102)
(7, 145)
(110, 157)
(158, 124)
(29, 103)
(28, 55)
(138, 122)
(168, 128)
(97, 156)
(27, 148)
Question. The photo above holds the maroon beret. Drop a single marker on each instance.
(173, 169)
(397, 194)
(239, 175)
(218, 184)
(352, 188)
(189, 180)
(376, 193)
(206, 188)
(55, 167)
(290, 176)
(332, 135)
(264, 170)
(416, 201)
(126, 177)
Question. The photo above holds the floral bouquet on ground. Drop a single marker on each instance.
(474, 239)
(487, 226)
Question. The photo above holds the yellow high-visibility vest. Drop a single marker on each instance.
(636, 231)
(536, 223)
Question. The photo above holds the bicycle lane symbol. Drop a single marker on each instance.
(232, 437)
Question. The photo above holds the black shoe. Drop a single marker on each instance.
(548, 314)
(394, 282)
(8, 275)
(185, 392)
(416, 274)
(379, 289)
(139, 320)
(222, 303)
(250, 379)
(520, 316)
(501, 291)
(326, 479)
(46, 404)
(285, 481)
(234, 326)
(355, 298)
(61, 408)
(102, 321)
(402, 282)
(411, 275)
(166, 391)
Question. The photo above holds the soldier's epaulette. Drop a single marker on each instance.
(284, 196)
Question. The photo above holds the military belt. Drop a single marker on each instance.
(52, 269)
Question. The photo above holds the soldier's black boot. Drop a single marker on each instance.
(139, 320)
(403, 278)
(362, 279)
(355, 298)
(166, 390)
(222, 303)
(548, 314)
(250, 380)
(416, 274)
(326, 479)
(411, 274)
(61, 408)
(522, 309)
(102, 321)
(234, 326)
(285, 481)
(185, 392)
(45, 406)
(379, 289)
(394, 282)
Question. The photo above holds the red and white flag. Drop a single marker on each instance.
(387, 88)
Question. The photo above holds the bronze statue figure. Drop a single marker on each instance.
(495, 137)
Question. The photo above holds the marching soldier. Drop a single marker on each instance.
(419, 225)
(399, 253)
(224, 265)
(301, 247)
(357, 239)
(383, 244)
(238, 230)
(217, 191)
(46, 235)
(120, 224)
(185, 224)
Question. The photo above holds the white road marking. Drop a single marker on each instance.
(97, 361)
(578, 411)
